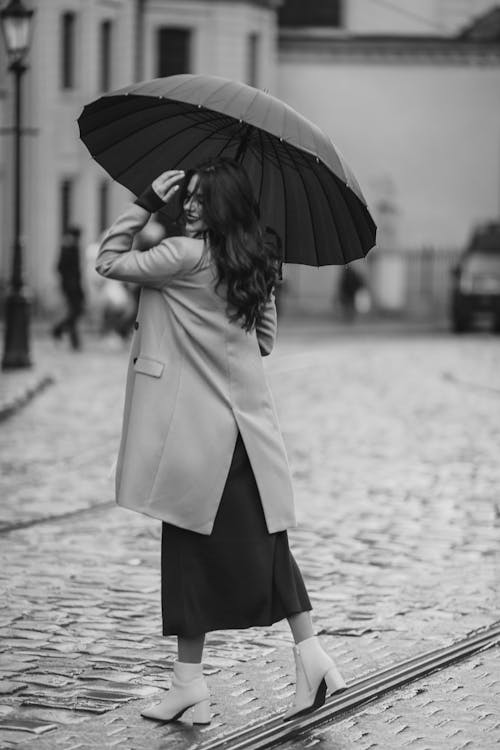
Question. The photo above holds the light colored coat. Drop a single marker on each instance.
(194, 380)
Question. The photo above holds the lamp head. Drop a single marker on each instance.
(15, 20)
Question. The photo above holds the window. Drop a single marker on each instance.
(253, 59)
(310, 13)
(103, 207)
(66, 203)
(105, 55)
(173, 51)
(68, 21)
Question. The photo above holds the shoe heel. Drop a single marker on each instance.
(334, 681)
(199, 713)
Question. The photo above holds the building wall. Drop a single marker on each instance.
(421, 132)
(411, 17)
(401, 17)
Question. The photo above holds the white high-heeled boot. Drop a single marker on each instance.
(189, 693)
(316, 675)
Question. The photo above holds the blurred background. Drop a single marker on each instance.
(391, 421)
(408, 91)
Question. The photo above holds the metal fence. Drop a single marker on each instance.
(414, 282)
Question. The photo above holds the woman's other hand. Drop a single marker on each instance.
(167, 184)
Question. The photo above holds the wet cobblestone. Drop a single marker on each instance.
(393, 444)
(63, 443)
(451, 709)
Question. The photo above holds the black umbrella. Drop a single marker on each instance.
(304, 188)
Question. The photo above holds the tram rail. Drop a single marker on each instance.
(274, 731)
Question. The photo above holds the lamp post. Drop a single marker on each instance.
(15, 22)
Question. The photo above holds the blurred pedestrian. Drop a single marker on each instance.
(118, 310)
(350, 283)
(201, 446)
(68, 268)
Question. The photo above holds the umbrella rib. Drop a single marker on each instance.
(285, 239)
(244, 115)
(351, 220)
(200, 87)
(292, 157)
(119, 174)
(216, 92)
(341, 197)
(226, 144)
(156, 101)
(349, 216)
(198, 143)
(330, 208)
(262, 166)
(111, 105)
(155, 122)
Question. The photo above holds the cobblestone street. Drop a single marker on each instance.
(393, 440)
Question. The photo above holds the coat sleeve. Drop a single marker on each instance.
(266, 328)
(152, 268)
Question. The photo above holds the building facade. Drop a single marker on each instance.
(80, 50)
(408, 91)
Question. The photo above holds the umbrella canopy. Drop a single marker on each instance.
(305, 190)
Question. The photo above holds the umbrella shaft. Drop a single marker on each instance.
(245, 136)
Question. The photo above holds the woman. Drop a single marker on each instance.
(201, 447)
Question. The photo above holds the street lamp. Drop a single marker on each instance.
(15, 21)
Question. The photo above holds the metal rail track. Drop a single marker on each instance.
(274, 731)
(66, 464)
(17, 525)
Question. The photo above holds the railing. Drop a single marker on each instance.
(413, 283)
(424, 276)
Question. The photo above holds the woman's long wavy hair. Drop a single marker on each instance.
(248, 260)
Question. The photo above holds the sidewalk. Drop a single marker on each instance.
(18, 387)
(394, 458)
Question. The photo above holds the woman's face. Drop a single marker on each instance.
(193, 208)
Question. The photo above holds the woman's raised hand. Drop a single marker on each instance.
(166, 184)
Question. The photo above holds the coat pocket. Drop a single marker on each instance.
(148, 366)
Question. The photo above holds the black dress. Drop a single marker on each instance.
(239, 576)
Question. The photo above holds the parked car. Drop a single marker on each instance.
(475, 295)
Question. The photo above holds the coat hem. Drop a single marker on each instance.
(205, 528)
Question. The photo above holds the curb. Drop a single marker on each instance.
(18, 399)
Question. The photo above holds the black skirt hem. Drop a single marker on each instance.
(243, 625)
(240, 576)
